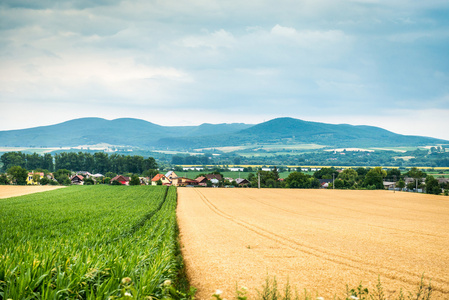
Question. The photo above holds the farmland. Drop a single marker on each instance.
(7, 191)
(319, 240)
(88, 243)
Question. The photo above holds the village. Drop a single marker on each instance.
(216, 179)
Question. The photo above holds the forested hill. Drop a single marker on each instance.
(293, 131)
(143, 134)
(92, 131)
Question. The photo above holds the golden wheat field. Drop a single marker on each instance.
(7, 191)
(319, 240)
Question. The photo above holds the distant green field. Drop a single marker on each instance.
(234, 175)
(88, 242)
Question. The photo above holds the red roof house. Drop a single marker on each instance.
(122, 179)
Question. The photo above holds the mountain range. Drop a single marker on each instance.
(147, 135)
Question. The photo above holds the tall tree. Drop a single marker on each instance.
(375, 177)
(432, 186)
(18, 175)
(11, 159)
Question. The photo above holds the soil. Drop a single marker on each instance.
(319, 240)
(7, 191)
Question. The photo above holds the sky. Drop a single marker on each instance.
(360, 62)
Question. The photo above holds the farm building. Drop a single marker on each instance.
(183, 181)
(201, 181)
(236, 169)
(242, 181)
(122, 179)
(77, 179)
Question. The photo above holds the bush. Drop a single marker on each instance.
(44, 181)
(89, 181)
(4, 179)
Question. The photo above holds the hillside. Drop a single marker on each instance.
(294, 131)
(147, 135)
(92, 131)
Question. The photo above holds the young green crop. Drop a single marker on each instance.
(90, 242)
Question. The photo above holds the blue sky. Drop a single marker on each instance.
(381, 63)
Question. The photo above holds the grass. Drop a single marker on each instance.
(271, 291)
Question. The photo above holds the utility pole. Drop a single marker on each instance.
(394, 183)
(258, 180)
(333, 181)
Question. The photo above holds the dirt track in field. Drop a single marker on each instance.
(320, 240)
(7, 191)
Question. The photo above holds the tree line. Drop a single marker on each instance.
(98, 162)
(360, 178)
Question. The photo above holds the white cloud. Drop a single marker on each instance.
(217, 39)
(265, 58)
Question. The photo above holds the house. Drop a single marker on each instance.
(214, 176)
(31, 175)
(84, 174)
(144, 180)
(183, 181)
(242, 181)
(201, 181)
(122, 179)
(443, 180)
(162, 178)
(324, 183)
(170, 175)
(77, 179)
(389, 185)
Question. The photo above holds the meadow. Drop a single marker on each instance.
(96, 242)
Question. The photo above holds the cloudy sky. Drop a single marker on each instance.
(373, 62)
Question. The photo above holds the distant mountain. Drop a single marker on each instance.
(291, 131)
(143, 134)
(92, 131)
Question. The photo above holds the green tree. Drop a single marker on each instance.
(432, 186)
(325, 173)
(393, 175)
(110, 174)
(339, 184)
(401, 184)
(62, 176)
(36, 177)
(44, 181)
(4, 179)
(18, 175)
(89, 181)
(298, 180)
(416, 174)
(48, 162)
(349, 177)
(375, 177)
(134, 180)
(11, 159)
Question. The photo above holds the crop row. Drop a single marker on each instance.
(92, 242)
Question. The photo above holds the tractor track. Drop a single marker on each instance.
(438, 284)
